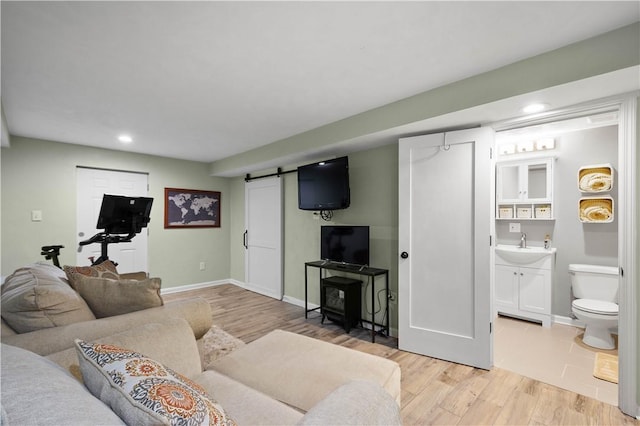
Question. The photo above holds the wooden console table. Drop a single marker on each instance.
(362, 271)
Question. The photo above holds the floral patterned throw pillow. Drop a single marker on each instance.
(105, 269)
(142, 391)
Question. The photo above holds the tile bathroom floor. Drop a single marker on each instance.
(553, 355)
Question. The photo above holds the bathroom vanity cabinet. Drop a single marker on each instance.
(524, 189)
(524, 291)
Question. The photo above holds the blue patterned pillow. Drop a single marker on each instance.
(142, 391)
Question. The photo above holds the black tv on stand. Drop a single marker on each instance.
(345, 245)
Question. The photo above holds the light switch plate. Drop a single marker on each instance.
(514, 227)
(36, 215)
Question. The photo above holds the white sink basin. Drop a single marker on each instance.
(523, 256)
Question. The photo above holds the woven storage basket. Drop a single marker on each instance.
(596, 210)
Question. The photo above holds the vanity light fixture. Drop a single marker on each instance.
(125, 138)
(526, 146)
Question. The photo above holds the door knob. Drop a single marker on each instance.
(404, 255)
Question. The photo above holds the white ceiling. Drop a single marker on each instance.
(206, 80)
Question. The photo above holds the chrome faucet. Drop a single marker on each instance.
(523, 240)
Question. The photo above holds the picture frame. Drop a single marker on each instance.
(191, 208)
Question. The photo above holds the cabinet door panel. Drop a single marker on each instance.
(506, 286)
(537, 181)
(509, 183)
(534, 292)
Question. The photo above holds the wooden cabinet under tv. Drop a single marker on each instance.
(340, 300)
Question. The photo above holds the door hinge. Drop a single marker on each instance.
(621, 272)
(491, 153)
(490, 240)
(490, 327)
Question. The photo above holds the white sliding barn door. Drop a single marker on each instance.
(445, 225)
(92, 184)
(263, 236)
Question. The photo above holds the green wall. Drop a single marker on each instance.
(41, 175)
(373, 176)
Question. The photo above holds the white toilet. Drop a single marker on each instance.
(596, 304)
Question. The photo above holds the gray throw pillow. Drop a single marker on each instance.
(39, 296)
(108, 297)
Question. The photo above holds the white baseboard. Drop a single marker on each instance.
(195, 286)
(559, 319)
(298, 302)
(254, 289)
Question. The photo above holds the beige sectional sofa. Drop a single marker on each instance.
(281, 378)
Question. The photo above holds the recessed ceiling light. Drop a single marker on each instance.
(125, 139)
(533, 108)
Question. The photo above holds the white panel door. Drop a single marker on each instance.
(263, 236)
(445, 223)
(92, 184)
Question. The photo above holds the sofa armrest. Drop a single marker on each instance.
(358, 402)
(196, 311)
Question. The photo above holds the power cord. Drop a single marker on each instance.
(326, 214)
(366, 299)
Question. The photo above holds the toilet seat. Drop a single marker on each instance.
(599, 307)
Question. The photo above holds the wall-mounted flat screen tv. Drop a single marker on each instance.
(345, 244)
(324, 185)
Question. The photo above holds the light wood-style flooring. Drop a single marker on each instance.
(433, 391)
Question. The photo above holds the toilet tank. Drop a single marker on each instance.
(594, 282)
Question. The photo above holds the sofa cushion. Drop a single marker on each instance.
(107, 297)
(246, 405)
(169, 341)
(278, 365)
(142, 391)
(5, 330)
(345, 406)
(106, 269)
(36, 391)
(39, 296)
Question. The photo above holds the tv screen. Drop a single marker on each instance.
(345, 244)
(124, 215)
(324, 185)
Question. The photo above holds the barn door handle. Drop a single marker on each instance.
(244, 239)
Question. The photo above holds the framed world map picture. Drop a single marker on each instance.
(191, 208)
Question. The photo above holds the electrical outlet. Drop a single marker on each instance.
(202, 266)
(514, 227)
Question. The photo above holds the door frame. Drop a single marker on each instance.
(627, 206)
